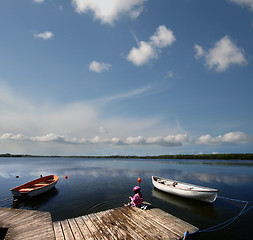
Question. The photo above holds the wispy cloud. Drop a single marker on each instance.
(99, 66)
(244, 3)
(27, 127)
(20, 115)
(124, 95)
(108, 11)
(224, 54)
(147, 51)
(199, 51)
(44, 35)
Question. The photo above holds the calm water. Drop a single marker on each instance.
(99, 184)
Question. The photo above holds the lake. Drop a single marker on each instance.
(98, 184)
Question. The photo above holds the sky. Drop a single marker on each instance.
(116, 77)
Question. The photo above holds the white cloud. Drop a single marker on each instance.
(170, 140)
(135, 140)
(244, 3)
(199, 51)
(146, 51)
(38, 1)
(142, 55)
(17, 137)
(167, 141)
(50, 138)
(209, 140)
(108, 11)
(44, 35)
(231, 137)
(224, 54)
(237, 137)
(162, 38)
(99, 67)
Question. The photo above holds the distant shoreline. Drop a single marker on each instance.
(225, 156)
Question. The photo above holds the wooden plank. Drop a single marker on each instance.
(148, 224)
(66, 230)
(40, 229)
(132, 228)
(113, 225)
(40, 234)
(124, 227)
(7, 218)
(100, 226)
(177, 225)
(75, 229)
(33, 234)
(84, 229)
(120, 223)
(9, 214)
(30, 221)
(58, 231)
(92, 228)
(100, 220)
(26, 224)
(23, 217)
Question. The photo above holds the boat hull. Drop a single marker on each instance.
(35, 187)
(185, 189)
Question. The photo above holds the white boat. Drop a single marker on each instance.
(183, 189)
(35, 187)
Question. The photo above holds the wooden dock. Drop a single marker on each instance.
(118, 223)
(26, 224)
(123, 223)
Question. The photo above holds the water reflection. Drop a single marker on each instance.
(198, 207)
(35, 202)
(100, 184)
(229, 179)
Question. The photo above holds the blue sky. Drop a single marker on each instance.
(137, 77)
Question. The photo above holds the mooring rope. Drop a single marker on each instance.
(233, 199)
(227, 222)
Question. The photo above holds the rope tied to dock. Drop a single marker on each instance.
(224, 224)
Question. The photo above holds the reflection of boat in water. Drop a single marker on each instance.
(187, 190)
(35, 187)
(34, 202)
(200, 208)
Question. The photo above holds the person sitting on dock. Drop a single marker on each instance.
(137, 199)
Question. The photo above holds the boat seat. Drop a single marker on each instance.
(39, 184)
(24, 190)
(161, 181)
(171, 183)
(174, 184)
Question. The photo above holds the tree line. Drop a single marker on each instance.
(222, 156)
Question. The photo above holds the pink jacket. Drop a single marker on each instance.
(137, 200)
